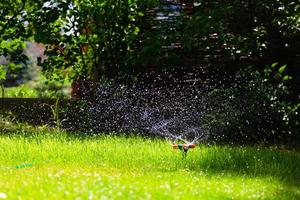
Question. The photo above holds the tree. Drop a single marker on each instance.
(93, 39)
(11, 30)
(14, 31)
(228, 36)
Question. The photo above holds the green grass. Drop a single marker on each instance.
(57, 166)
(35, 89)
(20, 91)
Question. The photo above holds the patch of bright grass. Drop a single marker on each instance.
(57, 166)
(20, 91)
(38, 88)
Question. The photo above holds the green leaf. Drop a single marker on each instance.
(103, 4)
(282, 69)
(136, 30)
(274, 64)
(287, 77)
(140, 14)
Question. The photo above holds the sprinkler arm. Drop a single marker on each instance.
(184, 147)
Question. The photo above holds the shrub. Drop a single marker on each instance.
(253, 107)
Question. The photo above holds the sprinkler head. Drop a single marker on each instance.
(184, 147)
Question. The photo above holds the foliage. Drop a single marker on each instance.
(119, 39)
(255, 107)
(12, 36)
(14, 32)
(235, 34)
(91, 39)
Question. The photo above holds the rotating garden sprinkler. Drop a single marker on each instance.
(184, 147)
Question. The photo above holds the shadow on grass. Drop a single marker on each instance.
(250, 162)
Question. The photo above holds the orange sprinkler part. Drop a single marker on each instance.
(184, 146)
(191, 146)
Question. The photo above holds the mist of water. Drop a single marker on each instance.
(174, 110)
(188, 110)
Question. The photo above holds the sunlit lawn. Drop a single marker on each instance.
(55, 166)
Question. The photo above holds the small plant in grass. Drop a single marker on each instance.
(2, 79)
(55, 114)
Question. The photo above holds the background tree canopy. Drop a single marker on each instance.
(12, 35)
(122, 39)
(14, 32)
(252, 47)
(95, 39)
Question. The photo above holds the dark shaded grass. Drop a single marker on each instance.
(249, 161)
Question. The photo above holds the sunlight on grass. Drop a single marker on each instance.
(62, 167)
